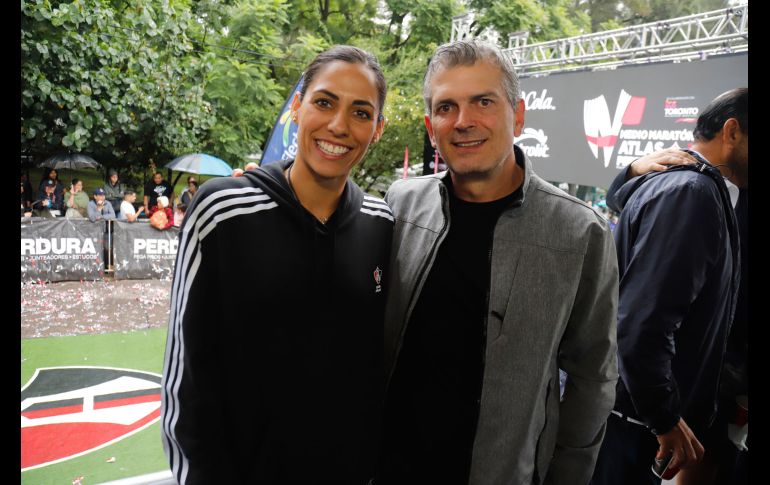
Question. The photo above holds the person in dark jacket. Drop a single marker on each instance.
(48, 204)
(286, 387)
(678, 255)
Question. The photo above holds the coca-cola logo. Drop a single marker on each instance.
(535, 102)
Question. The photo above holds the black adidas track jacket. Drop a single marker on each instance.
(273, 364)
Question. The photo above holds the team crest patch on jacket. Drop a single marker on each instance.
(70, 411)
(377, 279)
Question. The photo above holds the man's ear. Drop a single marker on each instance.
(731, 132)
(519, 113)
(429, 127)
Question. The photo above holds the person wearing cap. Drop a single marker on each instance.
(99, 209)
(48, 203)
(113, 190)
(76, 201)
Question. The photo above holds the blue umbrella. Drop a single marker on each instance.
(201, 164)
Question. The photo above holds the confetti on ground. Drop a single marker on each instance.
(92, 307)
(78, 480)
(111, 459)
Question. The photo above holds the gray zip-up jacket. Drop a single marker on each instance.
(552, 304)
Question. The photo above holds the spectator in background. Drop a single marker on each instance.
(189, 192)
(163, 207)
(76, 201)
(157, 187)
(51, 174)
(179, 214)
(127, 211)
(48, 204)
(113, 190)
(99, 209)
(26, 192)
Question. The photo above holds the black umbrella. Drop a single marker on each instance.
(71, 161)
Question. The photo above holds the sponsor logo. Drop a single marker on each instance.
(70, 411)
(377, 279)
(533, 102)
(677, 108)
(539, 149)
(59, 245)
(155, 246)
(601, 132)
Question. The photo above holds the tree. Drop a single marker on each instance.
(241, 84)
(119, 80)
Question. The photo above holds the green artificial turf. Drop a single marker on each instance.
(138, 454)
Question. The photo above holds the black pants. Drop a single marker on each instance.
(626, 456)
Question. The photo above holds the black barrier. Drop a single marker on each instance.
(61, 250)
(143, 252)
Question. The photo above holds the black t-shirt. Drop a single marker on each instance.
(433, 400)
(154, 191)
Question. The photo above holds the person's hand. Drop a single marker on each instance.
(659, 161)
(683, 443)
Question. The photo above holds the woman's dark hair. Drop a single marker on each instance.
(351, 55)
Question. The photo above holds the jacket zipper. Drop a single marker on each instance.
(515, 205)
(422, 277)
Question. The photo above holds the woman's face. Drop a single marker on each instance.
(337, 119)
(78, 186)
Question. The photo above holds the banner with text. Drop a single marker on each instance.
(143, 252)
(61, 250)
(583, 127)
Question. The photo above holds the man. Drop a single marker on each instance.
(157, 187)
(677, 243)
(500, 280)
(99, 209)
(48, 204)
(113, 190)
(127, 211)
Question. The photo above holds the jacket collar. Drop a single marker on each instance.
(521, 159)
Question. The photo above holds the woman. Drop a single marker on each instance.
(76, 201)
(285, 386)
(189, 192)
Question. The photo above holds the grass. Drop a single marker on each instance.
(139, 454)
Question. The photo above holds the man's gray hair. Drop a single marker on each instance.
(467, 53)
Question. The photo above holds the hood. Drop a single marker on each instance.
(271, 178)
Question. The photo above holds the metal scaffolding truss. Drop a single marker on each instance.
(695, 36)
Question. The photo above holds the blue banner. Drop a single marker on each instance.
(282, 142)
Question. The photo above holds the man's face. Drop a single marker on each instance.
(114, 179)
(99, 199)
(131, 198)
(472, 123)
(157, 178)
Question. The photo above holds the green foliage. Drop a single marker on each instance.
(121, 82)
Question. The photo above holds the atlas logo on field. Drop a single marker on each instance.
(70, 411)
(601, 132)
